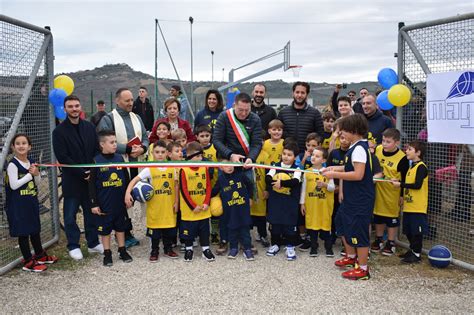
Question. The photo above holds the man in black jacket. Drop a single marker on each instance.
(75, 142)
(238, 132)
(264, 111)
(300, 118)
(142, 107)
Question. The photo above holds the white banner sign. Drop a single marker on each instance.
(450, 107)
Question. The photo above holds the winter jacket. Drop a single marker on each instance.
(266, 114)
(145, 111)
(226, 142)
(300, 122)
(378, 122)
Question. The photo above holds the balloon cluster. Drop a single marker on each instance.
(63, 86)
(394, 94)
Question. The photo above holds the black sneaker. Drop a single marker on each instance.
(108, 259)
(376, 246)
(214, 239)
(329, 252)
(411, 258)
(125, 256)
(313, 252)
(208, 255)
(188, 255)
(405, 254)
(305, 246)
(389, 249)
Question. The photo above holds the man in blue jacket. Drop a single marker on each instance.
(75, 142)
(378, 122)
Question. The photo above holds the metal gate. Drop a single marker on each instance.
(26, 75)
(433, 47)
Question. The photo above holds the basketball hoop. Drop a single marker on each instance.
(296, 70)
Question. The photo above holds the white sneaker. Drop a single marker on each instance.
(76, 254)
(272, 251)
(98, 249)
(290, 253)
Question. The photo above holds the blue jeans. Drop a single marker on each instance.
(241, 234)
(73, 234)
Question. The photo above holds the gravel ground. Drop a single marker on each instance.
(266, 285)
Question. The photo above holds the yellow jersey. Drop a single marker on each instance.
(195, 190)
(259, 206)
(415, 200)
(387, 196)
(160, 209)
(319, 203)
(274, 151)
(210, 153)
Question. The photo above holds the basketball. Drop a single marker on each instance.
(440, 256)
(142, 192)
(282, 176)
(216, 206)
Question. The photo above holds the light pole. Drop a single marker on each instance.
(212, 65)
(191, 20)
(222, 74)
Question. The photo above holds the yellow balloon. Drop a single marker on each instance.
(399, 95)
(65, 83)
(216, 206)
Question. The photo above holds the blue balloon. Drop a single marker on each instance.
(383, 102)
(387, 78)
(56, 97)
(59, 112)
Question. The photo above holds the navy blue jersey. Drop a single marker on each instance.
(359, 196)
(283, 207)
(336, 158)
(22, 205)
(235, 191)
(110, 185)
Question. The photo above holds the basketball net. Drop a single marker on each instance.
(296, 70)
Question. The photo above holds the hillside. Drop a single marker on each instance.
(102, 82)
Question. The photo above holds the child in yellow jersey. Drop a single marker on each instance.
(195, 195)
(162, 208)
(317, 203)
(415, 201)
(163, 132)
(258, 210)
(274, 145)
(175, 153)
(388, 198)
(328, 123)
(203, 135)
(179, 135)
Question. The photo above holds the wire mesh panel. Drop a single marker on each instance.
(443, 47)
(25, 74)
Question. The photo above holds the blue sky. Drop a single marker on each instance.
(335, 41)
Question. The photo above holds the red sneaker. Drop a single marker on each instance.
(171, 254)
(32, 265)
(356, 274)
(154, 255)
(346, 262)
(45, 259)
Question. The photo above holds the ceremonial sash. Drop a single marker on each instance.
(239, 130)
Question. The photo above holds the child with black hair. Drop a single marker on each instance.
(107, 187)
(355, 212)
(22, 206)
(283, 202)
(415, 201)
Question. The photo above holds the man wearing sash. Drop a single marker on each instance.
(238, 132)
(128, 127)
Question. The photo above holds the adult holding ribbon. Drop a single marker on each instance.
(238, 132)
(132, 140)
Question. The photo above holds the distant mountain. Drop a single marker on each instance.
(102, 82)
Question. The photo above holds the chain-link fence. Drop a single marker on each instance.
(434, 47)
(26, 74)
